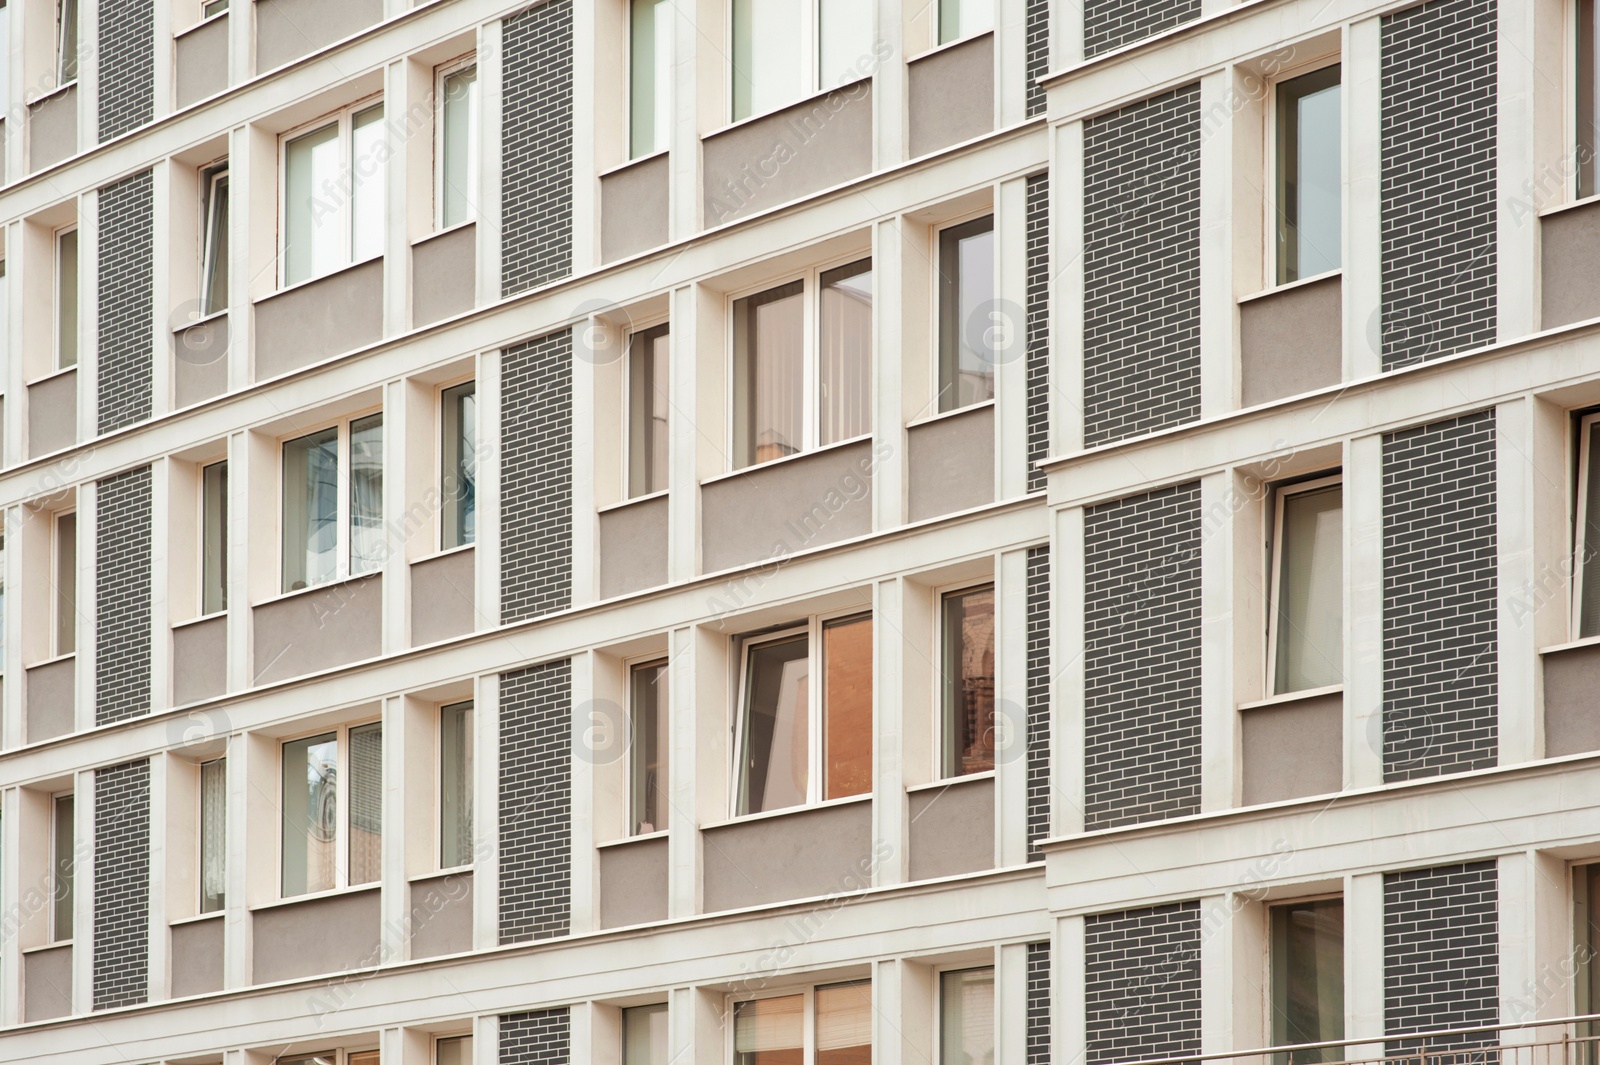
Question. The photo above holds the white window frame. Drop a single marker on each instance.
(938, 1000)
(440, 1037)
(635, 331)
(438, 454)
(210, 176)
(206, 16)
(808, 1012)
(941, 724)
(440, 73)
(55, 864)
(1587, 426)
(937, 9)
(810, 46)
(343, 514)
(200, 469)
(1280, 493)
(61, 42)
(1269, 985)
(56, 541)
(341, 849)
(343, 118)
(56, 237)
(438, 786)
(627, 87)
(629, 665)
(340, 1055)
(1269, 232)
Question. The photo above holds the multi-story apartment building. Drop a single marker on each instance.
(799, 532)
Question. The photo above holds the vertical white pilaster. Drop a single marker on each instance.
(14, 689)
(241, 42)
(486, 814)
(491, 66)
(160, 604)
(84, 605)
(595, 342)
(398, 100)
(88, 77)
(1531, 172)
(1011, 705)
(1067, 674)
(1536, 952)
(159, 941)
(1219, 387)
(1363, 612)
(888, 390)
(1363, 964)
(398, 428)
(1069, 1028)
(889, 826)
(1010, 328)
(1011, 1004)
(88, 313)
(11, 903)
(163, 196)
(394, 894)
(1362, 255)
(1010, 62)
(486, 553)
(587, 717)
(83, 850)
(1219, 732)
(698, 748)
(890, 121)
(1066, 283)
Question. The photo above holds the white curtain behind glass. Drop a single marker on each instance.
(213, 835)
(845, 354)
(1310, 614)
(844, 51)
(769, 66)
(366, 494)
(368, 180)
(313, 244)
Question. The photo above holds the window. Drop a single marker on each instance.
(333, 194)
(963, 18)
(1308, 978)
(63, 865)
(214, 538)
(66, 574)
(66, 297)
(1586, 947)
(455, 785)
(213, 7)
(2, 601)
(1586, 542)
(772, 1031)
(214, 240)
(969, 725)
(649, 76)
(799, 744)
(1306, 648)
(796, 388)
(1588, 100)
(333, 503)
(458, 143)
(458, 409)
(323, 848)
(648, 383)
(333, 1057)
(5, 61)
(644, 1035)
(647, 769)
(213, 835)
(5, 311)
(784, 50)
(966, 1016)
(454, 1050)
(1310, 178)
(66, 41)
(966, 297)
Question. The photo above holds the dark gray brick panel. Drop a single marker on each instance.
(1037, 29)
(536, 142)
(1142, 658)
(1038, 332)
(1038, 1034)
(1141, 286)
(535, 802)
(1441, 952)
(1038, 699)
(1440, 654)
(1437, 183)
(122, 885)
(536, 477)
(1109, 24)
(126, 286)
(123, 536)
(1142, 983)
(127, 66)
(542, 1037)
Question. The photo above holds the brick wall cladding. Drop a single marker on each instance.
(1038, 699)
(535, 802)
(1038, 329)
(1109, 24)
(536, 141)
(1142, 983)
(1037, 1038)
(542, 1037)
(126, 286)
(536, 477)
(1142, 657)
(1141, 251)
(127, 85)
(122, 595)
(122, 885)
(1437, 184)
(1440, 686)
(1037, 30)
(1441, 964)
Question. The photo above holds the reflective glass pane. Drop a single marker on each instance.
(455, 785)
(769, 65)
(967, 324)
(769, 1031)
(459, 477)
(66, 551)
(1588, 563)
(1310, 607)
(310, 814)
(456, 1051)
(962, 18)
(458, 162)
(649, 781)
(969, 725)
(648, 385)
(64, 862)
(214, 259)
(214, 538)
(1310, 179)
(367, 547)
(213, 835)
(1587, 92)
(366, 803)
(844, 1024)
(774, 760)
(67, 39)
(649, 85)
(847, 707)
(845, 34)
(1308, 978)
(769, 374)
(966, 1017)
(67, 299)
(313, 238)
(368, 179)
(644, 1035)
(310, 509)
(844, 353)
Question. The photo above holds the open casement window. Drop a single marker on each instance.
(649, 736)
(1305, 648)
(649, 76)
(333, 194)
(63, 865)
(785, 50)
(66, 292)
(966, 327)
(649, 381)
(1586, 536)
(455, 785)
(967, 621)
(458, 465)
(65, 573)
(333, 503)
(214, 538)
(801, 743)
(802, 364)
(966, 1016)
(644, 1035)
(452, 1050)
(457, 169)
(1308, 979)
(214, 240)
(1587, 99)
(827, 1025)
(213, 835)
(66, 41)
(332, 810)
(1586, 951)
(1310, 178)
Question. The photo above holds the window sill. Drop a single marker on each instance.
(201, 620)
(317, 896)
(800, 101)
(647, 497)
(768, 815)
(443, 553)
(52, 375)
(640, 838)
(69, 656)
(41, 948)
(948, 45)
(443, 231)
(308, 282)
(797, 456)
(1288, 285)
(202, 320)
(1570, 206)
(321, 586)
(945, 415)
(1571, 645)
(208, 20)
(58, 90)
(214, 915)
(454, 870)
(648, 157)
(1294, 697)
(965, 778)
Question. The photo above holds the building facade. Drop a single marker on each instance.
(1014, 531)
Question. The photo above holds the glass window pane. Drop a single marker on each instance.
(459, 476)
(1588, 100)
(310, 813)
(844, 351)
(5, 61)
(847, 707)
(458, 174)
(649, 85)
(1308, 978)
(769, 68)
(962, 18)
(845, 35)
(1586, 948)
(67, 299)
(769, 1031)
(456, 1051)
(455, 785)
(966, 302)
(969, 731)
(648, 800)
(1310, 180)
(1310, 607)
(2, 597)
(66, 584)
(313, 241)
(1588, 564)
(844, 1024)
(65, 865)
(5, 304)
(310, 509)
(367, 549)
(644, 1035)
(775, 752)
(214, 7)
(214, 538)
(213, 835)
(966, 1016)
(369, 152)
(648, 384)
(769, 374)
(67, 39)
(214, 259)
(366, 803)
